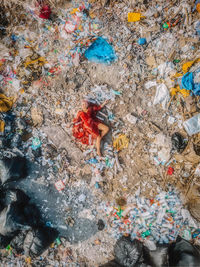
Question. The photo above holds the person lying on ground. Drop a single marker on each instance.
(88, 127)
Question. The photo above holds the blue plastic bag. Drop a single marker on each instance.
(187, 82)
(100, 52)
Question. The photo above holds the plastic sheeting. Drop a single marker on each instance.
(100, 52)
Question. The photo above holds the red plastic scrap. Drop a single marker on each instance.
(170, 171)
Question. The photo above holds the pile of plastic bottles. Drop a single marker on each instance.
(160, 219)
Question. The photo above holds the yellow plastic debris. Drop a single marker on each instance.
(6, 103)
(74, 11)
(40, 60)
(2, 126)
(173, 91)
(28, 260)
(121, 142)
(185, 93)
(21, 91)
(133, 16)
(186, 66)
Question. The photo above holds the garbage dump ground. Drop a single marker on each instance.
(143, 58)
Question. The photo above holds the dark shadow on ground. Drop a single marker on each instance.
(56, 207)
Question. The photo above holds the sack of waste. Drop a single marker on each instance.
(38, 240)
(5, 240)
(179, 143)
(17, 243)
(157, 257)
(12, 169)
(9, 196)
(183, 254)
(112, 263)
(12, 220)
(128, 253)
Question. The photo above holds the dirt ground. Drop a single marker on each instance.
(49, 102)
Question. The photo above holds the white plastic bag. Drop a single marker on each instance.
(162, 95)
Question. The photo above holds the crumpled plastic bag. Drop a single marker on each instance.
(187, 82)
(39, 240)
(192, 125)
(12, 220)
(9, 196)
(166, 69)
(158, 257)
(100, 52)
(178, 142)
(162, 95)
(127, 252)
(12, 169)
(183, 254)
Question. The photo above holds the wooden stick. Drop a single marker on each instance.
(170, 101)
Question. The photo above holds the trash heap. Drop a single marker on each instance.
(144, 58)
(157, 221)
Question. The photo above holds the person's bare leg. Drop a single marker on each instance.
(98, 145)
(104, 130)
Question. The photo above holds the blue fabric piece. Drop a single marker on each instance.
(100, 52)
(187, 82)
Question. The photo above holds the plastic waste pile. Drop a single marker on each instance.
(148, 67)
(158, 220)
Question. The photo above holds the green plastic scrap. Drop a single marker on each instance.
(146, 233)
(116, 92)
(58, 242)
(107, 162)
(165, 25)
(171, 211)
(176, 60)
(8, 247)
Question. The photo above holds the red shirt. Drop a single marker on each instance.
(86, 123)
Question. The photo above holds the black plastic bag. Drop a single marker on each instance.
(127, 252)
(39, 240)
(183, 254)
(156, 258)
(8, 196)
(178, 142)
(5, 240)
(17, 243)
(32, 215)
(12, 220)
(112, 263)
(13, 169)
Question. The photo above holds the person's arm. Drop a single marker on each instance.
(104, 103)
(99, 107)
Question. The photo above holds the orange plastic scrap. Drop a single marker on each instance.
(186, 66)
(2, 126)
(134, 16)
(6, 103)
(121, 142)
